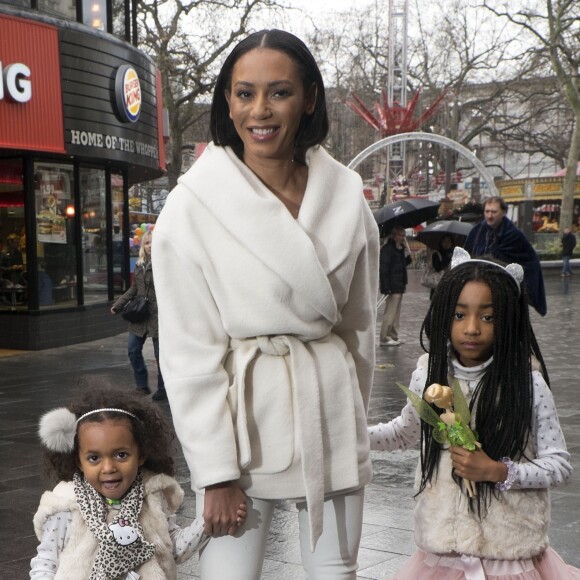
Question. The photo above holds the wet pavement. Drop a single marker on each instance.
(32, 383)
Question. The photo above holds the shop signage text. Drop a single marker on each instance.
(15, 82)
(101, 140)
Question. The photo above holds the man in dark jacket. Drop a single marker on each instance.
(568, 245)
(394, 259)
(497, 236)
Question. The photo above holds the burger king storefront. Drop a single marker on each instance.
(80, 123)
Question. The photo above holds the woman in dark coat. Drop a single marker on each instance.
(394, 259)
(143, 285)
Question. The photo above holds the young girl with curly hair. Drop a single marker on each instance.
(482, 510)
(112, 515)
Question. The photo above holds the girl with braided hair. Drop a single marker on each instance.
(482, 511)
(112, 515)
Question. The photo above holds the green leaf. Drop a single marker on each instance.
(460, 406)
(421, 406)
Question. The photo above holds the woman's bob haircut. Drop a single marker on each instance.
(313, 128)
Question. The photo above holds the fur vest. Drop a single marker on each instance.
(77, 557)
(515, 527)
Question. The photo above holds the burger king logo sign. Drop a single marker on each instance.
(128, 93)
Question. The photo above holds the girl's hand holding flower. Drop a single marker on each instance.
(452, 426)
(477, 465)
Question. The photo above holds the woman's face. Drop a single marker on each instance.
(147, 246)
(267, 101)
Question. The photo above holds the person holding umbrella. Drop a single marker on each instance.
(395, 256)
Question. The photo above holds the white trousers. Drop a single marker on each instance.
(241, 557)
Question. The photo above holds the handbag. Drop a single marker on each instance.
(137, 309)
(430, 278)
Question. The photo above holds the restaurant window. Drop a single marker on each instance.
(13, 280)
(94, 234)
(119, 9)
(55, 234)
(95, 14)
(118, 236)
(64, 8)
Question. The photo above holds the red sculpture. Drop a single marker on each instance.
(394, 119)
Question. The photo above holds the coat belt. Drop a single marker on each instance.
(305, 389)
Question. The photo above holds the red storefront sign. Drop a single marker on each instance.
(30, 90)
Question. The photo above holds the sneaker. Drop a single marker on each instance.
(390, 342)
(159, 396)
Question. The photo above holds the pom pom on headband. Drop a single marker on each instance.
(460, 256)
(57, 428)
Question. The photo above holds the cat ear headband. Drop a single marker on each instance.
(461, 256)
(57, 428)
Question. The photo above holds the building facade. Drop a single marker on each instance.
(80, 123)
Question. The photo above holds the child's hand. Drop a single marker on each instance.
(477, 465)
(242, 514)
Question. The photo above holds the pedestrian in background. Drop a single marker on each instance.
(394, 258)
(143, 285)
(568, 245)
(269, 331)
(441, 258)
(497, 236)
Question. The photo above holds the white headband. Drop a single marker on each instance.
(461, 256)
(57, 428)
(110, 410)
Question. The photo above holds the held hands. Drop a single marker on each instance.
(225, 509)
(477, 465)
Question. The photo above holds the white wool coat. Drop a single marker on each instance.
(79, 553)
(267, 327)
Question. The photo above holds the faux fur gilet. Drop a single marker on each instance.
(78, 555)
(515, 527)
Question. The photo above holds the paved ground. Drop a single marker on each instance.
(32, 383)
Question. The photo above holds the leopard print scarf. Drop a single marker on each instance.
(122, 547)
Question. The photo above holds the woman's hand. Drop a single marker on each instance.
(224, 510)
(477, 465)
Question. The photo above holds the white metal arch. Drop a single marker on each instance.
(431, 138)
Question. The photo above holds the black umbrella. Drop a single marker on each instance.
(406, 213)
(432, 234)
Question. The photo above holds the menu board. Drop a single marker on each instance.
(52, 189)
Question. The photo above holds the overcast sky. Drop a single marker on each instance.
(318, 9)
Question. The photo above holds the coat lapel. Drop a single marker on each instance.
(262, 225)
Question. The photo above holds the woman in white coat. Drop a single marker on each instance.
(268, 331)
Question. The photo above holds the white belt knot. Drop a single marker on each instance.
(273, 345)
